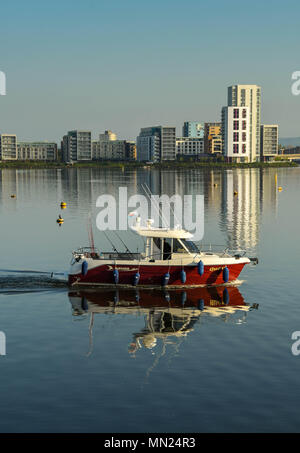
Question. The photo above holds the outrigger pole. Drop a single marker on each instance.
(111, 243)
(90, 233)
(121, 240)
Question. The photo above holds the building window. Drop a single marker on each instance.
(244, 136)
(244, 125)
(243, 148)
(236, 125)
(235, 148)
(235, 136)
(235, 113)
(244, 113)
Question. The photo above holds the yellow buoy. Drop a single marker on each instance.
(60, 220)
(63, 205)
(13, 196)
(279, 189)
(235, 192)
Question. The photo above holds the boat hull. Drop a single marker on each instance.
(149, 275)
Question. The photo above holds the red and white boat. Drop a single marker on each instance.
(170, 259)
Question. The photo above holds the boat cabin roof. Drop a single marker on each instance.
(162, 232)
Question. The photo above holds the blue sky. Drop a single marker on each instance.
(123, 65)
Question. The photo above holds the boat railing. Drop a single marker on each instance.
(120, 256)
(217, 248)
(210, 249)
(89, 252)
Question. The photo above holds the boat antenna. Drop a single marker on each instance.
(172, 210)
(90, 233)
(155, 203)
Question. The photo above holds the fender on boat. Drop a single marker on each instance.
(183, 276)
(166, 279)
(201, 268)
(136, 279)
(225, 274)
(84, 267)
(116, 276)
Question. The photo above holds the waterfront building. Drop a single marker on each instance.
(214, 144)
(249, 96)
(112, 149)
(212, 138)
(236, 133)
(37, 151)
(109, 148)
(189, 147)
(95, 149)
(193, 129)
(77, 146)
(130, 150)
(8, 147)
(156, 144)
(268, 141)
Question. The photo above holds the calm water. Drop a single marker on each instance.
(145, 362)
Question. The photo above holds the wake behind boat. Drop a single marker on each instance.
(170, 259)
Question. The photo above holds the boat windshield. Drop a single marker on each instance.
(190, 245)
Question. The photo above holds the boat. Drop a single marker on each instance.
(170, 259)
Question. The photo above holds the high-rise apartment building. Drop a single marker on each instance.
(249, 96)
(236, 133)
(193, 129)
(156, 144)
(8, 147)
(268, 141)
(213, 138)
(77, 146)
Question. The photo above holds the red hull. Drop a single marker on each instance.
(153, 275)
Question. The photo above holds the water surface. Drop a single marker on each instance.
(135, 361)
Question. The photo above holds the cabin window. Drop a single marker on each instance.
(190, 245)
(178, 247)
(167, 249)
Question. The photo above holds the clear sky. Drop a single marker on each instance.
(123, 65)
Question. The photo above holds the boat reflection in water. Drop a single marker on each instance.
(168, 315)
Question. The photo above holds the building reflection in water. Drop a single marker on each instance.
(168, 315)
(240, 215)
(246, 194)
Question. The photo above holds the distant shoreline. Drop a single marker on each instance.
(120, 164)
